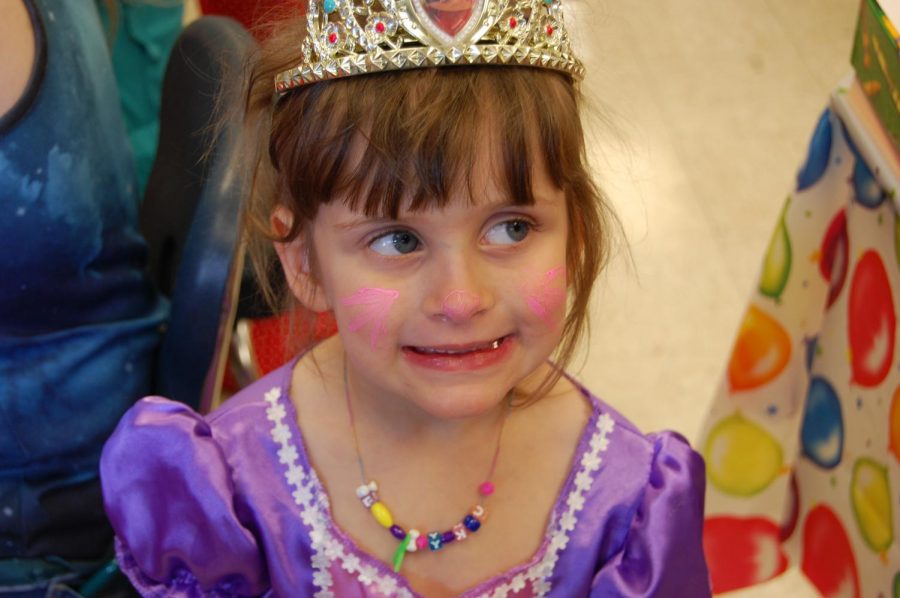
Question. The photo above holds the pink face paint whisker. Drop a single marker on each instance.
(544, 297)
(374, 306)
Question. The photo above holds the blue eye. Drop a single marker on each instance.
(398, 242)
(508, 232)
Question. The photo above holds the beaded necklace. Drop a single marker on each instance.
(413, 540)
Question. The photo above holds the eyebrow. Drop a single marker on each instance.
(369, 221)
(362, 221)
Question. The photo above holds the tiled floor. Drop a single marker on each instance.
(702, 114)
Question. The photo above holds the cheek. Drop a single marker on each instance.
(367, 311)
(545, 295)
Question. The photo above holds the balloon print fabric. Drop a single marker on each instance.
(802, 443)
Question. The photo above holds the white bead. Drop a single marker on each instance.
(413, 536)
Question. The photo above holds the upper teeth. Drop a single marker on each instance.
(493, 345)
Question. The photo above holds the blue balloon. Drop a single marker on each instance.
(822, 433)
(868, 192)
(818, 155)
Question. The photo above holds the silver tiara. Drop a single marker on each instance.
(345, 38)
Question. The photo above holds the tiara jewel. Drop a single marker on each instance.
(354, 37)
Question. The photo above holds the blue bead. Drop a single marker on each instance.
(471, 523)
(329, 6)
(435, 540)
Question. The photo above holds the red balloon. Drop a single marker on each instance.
(835, 257)
(792, 514)
(827, 555)
(871, 321)
(742, 551)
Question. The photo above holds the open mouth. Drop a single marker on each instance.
(455, 350)
(460, 357)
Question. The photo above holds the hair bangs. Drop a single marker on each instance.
(388, 142)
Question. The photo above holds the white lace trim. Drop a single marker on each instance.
(538, 575)
(313, 503)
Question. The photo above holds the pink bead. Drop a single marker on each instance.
(422, 543)
(486, 488)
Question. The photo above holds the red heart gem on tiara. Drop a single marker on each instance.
(450, 16)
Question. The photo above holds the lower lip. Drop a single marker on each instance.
(473, 360)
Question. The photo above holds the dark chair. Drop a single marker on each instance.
(190, 213)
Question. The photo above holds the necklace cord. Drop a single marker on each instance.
(359, 460)
(413, 540)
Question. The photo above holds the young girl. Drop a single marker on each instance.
(421, 170)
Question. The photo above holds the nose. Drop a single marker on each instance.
(458, 290)
(460, 305)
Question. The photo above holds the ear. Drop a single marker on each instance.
(294, 258)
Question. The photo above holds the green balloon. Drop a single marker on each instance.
(777, 263)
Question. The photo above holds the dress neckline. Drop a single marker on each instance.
(331, 543)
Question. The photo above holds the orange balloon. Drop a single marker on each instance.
(761, 352)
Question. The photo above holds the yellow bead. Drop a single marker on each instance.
(382, 515)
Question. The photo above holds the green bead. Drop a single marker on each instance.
(400, 553)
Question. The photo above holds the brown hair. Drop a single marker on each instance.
(422, 128)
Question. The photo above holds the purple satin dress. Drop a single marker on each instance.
(228, 505)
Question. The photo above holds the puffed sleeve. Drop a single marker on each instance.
(169, 496)
(662, 554)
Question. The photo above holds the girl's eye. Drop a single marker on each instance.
(508, 232)
(398, 242)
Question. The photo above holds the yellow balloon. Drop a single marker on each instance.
(870, 495)
(741, 457)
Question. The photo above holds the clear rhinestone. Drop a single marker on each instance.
(454, 54)
(416, 57)
(378, 59)
(399, 59)
(347, 65)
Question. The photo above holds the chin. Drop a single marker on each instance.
(460, 405)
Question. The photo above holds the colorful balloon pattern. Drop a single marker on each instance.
(835, 258)
(742, 551)
(871, 321)
(820, 333)
(870, 496)
(761, 352)
(822, 432)
(792, 512)
(777, 263)
(742, 458)
(818, 155)
(828, 559)
(894, 426)
(868, 192)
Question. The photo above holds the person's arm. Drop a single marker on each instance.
(18, 51)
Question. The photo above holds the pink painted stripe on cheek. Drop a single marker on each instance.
(373, 306)
(545, 295)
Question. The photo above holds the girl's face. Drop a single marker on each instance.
(449, 309)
